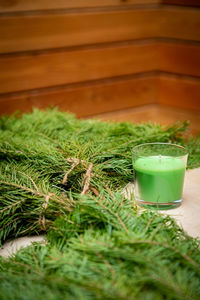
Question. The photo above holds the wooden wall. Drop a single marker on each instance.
(96, 56)
(86, 56)
(179, 80)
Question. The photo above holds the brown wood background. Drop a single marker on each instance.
(93, 57)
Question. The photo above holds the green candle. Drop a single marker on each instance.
(160, 179)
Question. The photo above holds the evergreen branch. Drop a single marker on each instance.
(154, 243)
(34, 184)
(11, 205)
(22, 188)
(111, 212)
(100, 246)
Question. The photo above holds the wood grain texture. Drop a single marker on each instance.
(34, 32)
(180, 58)
(85, 100)
(180, 23)
(25, 72)
(182, 2)
(30, 5)
(179, 92)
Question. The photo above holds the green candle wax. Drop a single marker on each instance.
(160, 178)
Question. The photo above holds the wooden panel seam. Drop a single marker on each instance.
(187, 3)
(27, 72)
(29, 5)
(60, 30)
(86, 100)
(55, 31)
(31, 72)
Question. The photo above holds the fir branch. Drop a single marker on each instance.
(13, 205)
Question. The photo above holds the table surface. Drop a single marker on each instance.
(187, 215)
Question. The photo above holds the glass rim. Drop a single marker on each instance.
(160, 143)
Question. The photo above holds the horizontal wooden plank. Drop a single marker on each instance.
(85, 100)
(179, 58)
(179, 92)
(25, 72)
(30, 5)
(182, 2)
(180, 23)
(34, 32)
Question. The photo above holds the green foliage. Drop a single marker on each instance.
(99, 244)
(102, 252)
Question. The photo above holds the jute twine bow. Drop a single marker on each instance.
(86, 184)
(87, 177)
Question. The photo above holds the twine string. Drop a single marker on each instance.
(86, 185)
(75, 163)
(42, 220)
(87, 177)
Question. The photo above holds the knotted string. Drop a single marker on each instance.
(87, 177)
(42, 220)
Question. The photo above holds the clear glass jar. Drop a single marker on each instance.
(160, 170)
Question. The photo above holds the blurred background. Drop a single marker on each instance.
(128, 60)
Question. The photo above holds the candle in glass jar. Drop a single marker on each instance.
(160, 178)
